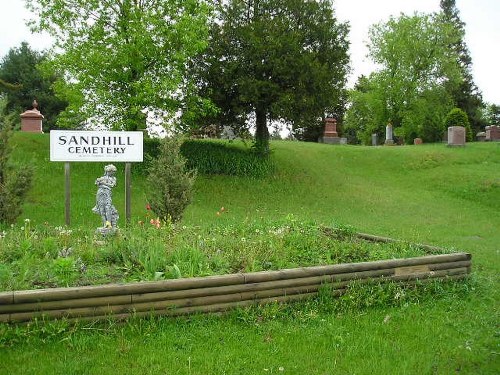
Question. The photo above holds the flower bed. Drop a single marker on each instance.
(159, 268)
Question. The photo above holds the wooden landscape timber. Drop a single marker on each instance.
(219, 293)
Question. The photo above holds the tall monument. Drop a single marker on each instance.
(389, 140)
(330, 134)
(31, 120)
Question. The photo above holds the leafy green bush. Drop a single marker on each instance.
(210, 157)
(457, 117)
(14, 182)
(170, 181)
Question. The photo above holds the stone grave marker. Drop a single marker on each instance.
(228, 133)
(330, 134)
(389, 141)
(456, 136)
(493, 133)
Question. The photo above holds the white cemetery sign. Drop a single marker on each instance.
(96, 146)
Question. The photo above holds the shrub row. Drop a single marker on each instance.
(214, 157)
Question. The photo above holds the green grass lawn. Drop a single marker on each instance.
(428, 194)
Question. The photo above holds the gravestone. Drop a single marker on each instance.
(31, 120)
(374, 139)
(330, 134)
(389, 141)
(456, 136)
(493, 133)
(228, 133)
(417, 141)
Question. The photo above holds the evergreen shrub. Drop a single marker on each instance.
(170, 181)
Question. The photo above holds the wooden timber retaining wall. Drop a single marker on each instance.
(218, 293)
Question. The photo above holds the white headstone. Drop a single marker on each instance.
(388, 135)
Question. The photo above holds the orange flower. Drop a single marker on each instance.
(155, 222)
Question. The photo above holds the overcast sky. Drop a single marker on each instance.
(482, 18)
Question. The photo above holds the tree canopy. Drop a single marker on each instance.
(21, 81)
(466, 95)
(410, 88)
(276, 60)
(125, 58)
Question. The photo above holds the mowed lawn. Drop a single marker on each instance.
(428, 194)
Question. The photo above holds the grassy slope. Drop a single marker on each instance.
(429, 193)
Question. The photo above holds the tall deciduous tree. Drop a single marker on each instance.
(415, 65)
(277, 60)
(412, 51)
(21, 81)
(123, 58)
(466, 95)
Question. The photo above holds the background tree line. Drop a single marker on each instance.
(425, 72)
(186, 64)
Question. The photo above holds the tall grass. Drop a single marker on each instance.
(57, 257)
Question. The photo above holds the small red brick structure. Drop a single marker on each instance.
(31, 120)
(330, 135)
(493, 133)
(330, 128)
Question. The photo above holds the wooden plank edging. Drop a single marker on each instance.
(172, 297)
(54, 294)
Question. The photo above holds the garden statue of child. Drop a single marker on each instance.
(104, 205)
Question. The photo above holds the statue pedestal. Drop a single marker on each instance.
(106, 231)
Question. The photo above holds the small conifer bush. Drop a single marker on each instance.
(170, 182)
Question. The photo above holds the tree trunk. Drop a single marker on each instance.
(261, 131)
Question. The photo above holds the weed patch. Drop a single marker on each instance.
(56, 257)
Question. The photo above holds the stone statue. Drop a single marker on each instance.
(104, 205)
